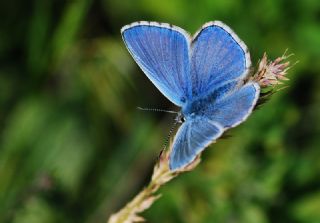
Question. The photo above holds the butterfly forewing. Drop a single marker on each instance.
(162, 52)
(217, 56)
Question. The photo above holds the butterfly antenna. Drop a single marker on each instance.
(157, 110)
(169, 135)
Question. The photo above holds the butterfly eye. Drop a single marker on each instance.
(180, 118)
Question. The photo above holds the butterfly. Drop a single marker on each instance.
(205, 75)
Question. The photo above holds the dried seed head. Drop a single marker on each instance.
(272, 73)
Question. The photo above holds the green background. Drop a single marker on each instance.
(74, 148)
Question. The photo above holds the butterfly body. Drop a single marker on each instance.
(204, 75)
(206, 103)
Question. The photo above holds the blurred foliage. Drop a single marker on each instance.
(73, 147)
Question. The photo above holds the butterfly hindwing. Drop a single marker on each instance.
(217, 56)
(192, 137)
(162, 52)
(235, 107)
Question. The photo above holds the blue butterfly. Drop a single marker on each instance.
(205, 75)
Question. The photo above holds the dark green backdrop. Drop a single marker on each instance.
(73, 147)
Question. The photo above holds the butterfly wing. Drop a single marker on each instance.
(218, 56)
(192, 137)
(235, 107)
(162, 52)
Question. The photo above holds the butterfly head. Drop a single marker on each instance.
(180, 118)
